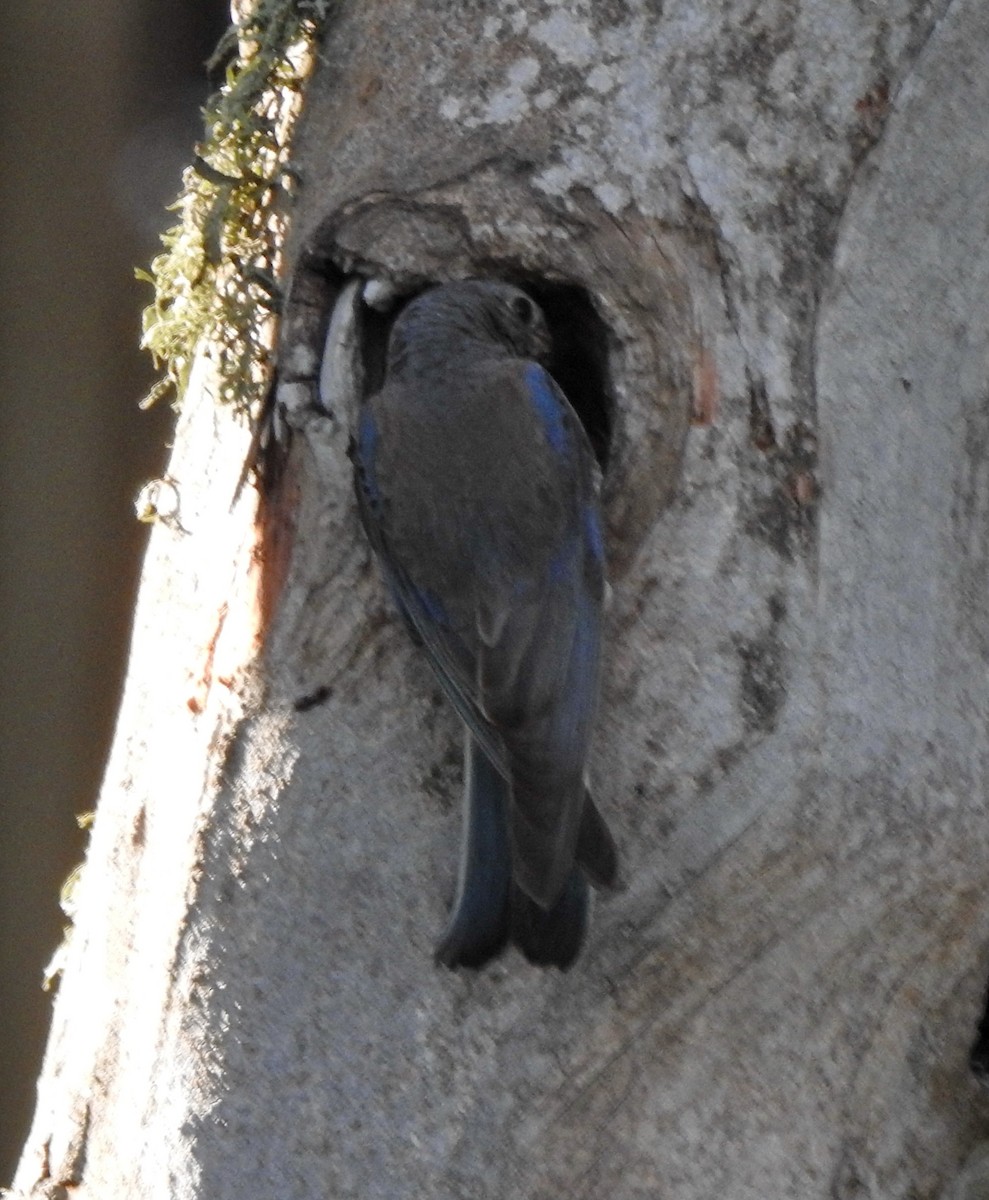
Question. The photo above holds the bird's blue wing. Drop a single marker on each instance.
(538, 687)
(538, 678)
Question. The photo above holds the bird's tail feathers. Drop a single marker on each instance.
(478, 928)
(552, 937)
(491, 908)
(596, 851)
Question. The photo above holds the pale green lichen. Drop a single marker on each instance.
(67, 903)
(216, 284)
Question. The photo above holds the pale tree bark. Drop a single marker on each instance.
(769, 221)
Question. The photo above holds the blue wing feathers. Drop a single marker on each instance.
(545, 398)
(367, 448)
(592, 531)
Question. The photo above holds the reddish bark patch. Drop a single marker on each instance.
(704, 410)
(272, 555)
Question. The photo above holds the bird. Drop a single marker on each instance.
(478, 490)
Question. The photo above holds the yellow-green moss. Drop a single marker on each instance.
(67, 903)
(216, 284)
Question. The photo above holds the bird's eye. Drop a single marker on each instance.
(523, 308)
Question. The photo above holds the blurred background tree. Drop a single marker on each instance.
(100, 111)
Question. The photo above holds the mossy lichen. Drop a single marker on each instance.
(216, 284)
(67, 903)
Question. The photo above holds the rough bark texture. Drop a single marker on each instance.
(784, 204)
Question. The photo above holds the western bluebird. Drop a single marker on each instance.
(478, 490)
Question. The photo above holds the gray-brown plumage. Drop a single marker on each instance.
(477, 487)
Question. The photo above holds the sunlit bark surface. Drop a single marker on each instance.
(777, 216)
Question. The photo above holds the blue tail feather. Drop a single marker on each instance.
(490, 910)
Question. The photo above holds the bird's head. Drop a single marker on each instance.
(475, 316)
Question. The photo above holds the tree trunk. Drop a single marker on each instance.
(766, 221)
